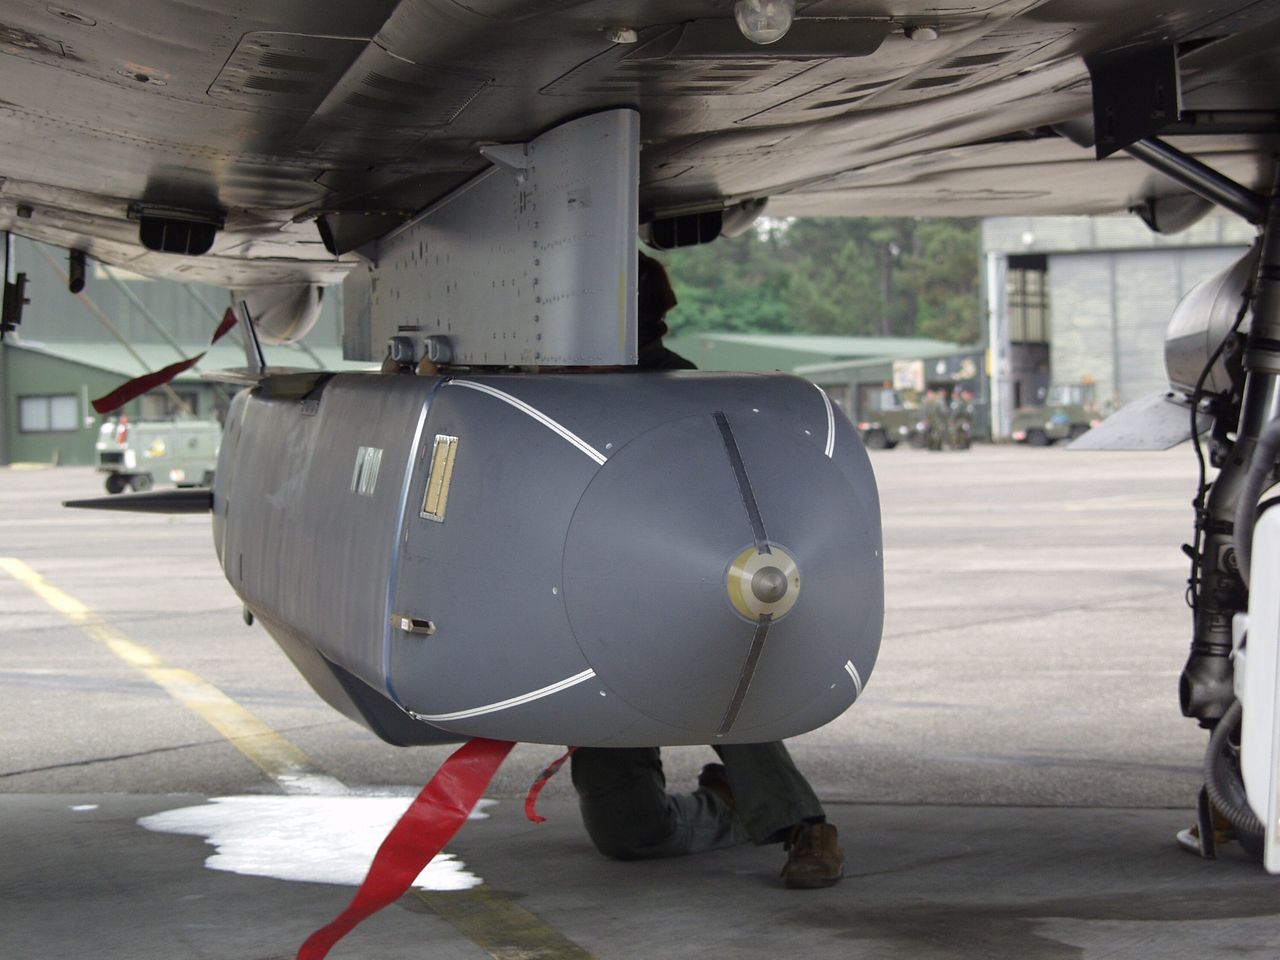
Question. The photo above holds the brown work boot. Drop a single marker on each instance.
(814, 859)
(715, 779)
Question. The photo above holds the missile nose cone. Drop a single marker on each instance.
(763, 581)
(769, 585)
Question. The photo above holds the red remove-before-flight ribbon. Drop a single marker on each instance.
(531, 801)
(431, 821)
(149, 381)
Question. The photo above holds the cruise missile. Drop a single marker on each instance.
(616, 559)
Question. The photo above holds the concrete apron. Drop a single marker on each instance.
(921, 882)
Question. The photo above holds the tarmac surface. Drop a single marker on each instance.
(1008, 787)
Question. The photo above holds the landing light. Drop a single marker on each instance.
(764, 21)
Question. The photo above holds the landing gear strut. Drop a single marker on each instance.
(1242, 448)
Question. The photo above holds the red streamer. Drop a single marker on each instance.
(228, 321)
(531, 801)
(136, 387)
(431, 821)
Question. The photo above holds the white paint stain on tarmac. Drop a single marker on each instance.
(306, 838)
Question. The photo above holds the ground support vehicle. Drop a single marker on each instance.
(1069, 412)
(891, 421)
(139, 454)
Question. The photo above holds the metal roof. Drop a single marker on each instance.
(933, 351)
(832, 346)
(116, 358)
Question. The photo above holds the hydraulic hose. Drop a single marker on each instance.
(1222, 776)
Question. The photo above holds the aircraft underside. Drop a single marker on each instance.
(128, 132)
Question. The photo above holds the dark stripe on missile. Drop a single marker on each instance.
(744, 484)
(748, 672)
(194, 500)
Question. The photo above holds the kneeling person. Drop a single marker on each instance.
(756, 794)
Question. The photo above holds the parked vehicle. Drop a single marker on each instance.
(1069, 411)
(889, 420)
(137, 455)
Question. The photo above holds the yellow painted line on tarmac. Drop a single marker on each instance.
(272, 753)
(503, 929)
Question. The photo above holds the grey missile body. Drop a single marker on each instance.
(618, 559)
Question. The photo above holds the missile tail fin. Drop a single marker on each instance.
(195, 500)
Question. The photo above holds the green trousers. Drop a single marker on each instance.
(630, 816)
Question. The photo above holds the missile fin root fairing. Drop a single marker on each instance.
(595, 559)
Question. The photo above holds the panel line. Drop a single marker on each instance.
(744, 482)
(747, 674)
(507, 704)
(831, 423)
(554, 426)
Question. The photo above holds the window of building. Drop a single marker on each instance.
(159, 404)
(52, 414)
(1029, 299)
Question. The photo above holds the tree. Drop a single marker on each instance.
(859, 277)
(835, 294)
(943, 271)
(733, 284)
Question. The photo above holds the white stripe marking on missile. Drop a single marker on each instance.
(524, 698)
(536, 414)
(852, 671)
(831, 422)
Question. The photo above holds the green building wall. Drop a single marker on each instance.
(38, 375)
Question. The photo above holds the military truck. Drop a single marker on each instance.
(139, 454)
(1069, 410)
(888, 420)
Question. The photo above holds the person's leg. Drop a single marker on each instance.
(770, 795)
(776, 803)
(630, 816)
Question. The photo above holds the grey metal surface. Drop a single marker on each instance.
(283, 313)
(1156, 422)
(1200, 178)
(576, 585)
(304, 534)
(528, 262)
(1202, 320)
(365, 115)
(1007, 788)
